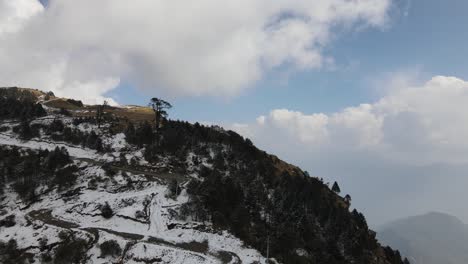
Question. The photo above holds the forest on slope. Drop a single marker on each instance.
(272, 206)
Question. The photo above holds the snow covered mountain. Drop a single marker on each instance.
(79, 187)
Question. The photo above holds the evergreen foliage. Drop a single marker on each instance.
(245, 193)
(26, 170)
(110, 248)
(8, 221)
(10, 254)
(26, 131)
(336, 187)
(19, 104)
(106, 211)
(70, 250)
(264, 202)
(174, 188)
(100, 113)
(160, 108)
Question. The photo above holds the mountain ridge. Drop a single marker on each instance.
(429, 238)
(189, 191)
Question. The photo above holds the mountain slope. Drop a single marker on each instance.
(433, 238)
(76, 189)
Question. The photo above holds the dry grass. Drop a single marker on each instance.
(35, 92)
(61, 103)
(284, 167)
(134, 113)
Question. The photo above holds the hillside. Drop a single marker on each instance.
(433, 238)
(75, 188)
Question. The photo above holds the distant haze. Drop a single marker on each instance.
(433, 238)
(401, 155)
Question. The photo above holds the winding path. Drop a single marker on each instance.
(196, 249)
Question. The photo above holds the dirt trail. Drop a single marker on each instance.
(45, 216)
(198, 249)
(149, 174)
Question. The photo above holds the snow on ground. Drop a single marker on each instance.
(168, 255)
(88, 128)
(117, 142)
(7, 139)
(26, 235)
(149, 239)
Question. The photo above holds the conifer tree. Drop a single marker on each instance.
(159, 107)
(347, 199)
(100, 112)
(336, 188)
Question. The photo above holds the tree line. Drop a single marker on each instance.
(26, 170)
(271, 210)
(19, 104)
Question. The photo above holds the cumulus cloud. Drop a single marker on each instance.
(13, 14)
(407, 151)
(422, 124)
(207, 47)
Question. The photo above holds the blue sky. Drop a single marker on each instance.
(44, 2)
(386, 119)
(427, 36)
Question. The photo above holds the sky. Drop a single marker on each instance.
(371, 93)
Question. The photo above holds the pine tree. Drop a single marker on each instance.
(174, 188)
(336, 188)
(100, 113)
(347, 199)
(159, 107)
(25, 131)
(106, 211)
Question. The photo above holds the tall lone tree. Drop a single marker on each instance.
(336, 187)
(100, 112)
(159, 107)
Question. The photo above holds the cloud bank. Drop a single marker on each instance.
(422, 124)
(13, 14)
(407, 151)
(207, 47)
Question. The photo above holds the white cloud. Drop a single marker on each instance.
(308, 128)
(207, 47)
(424, 124)
(92, 89)
(14, 13)
(402, 155)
